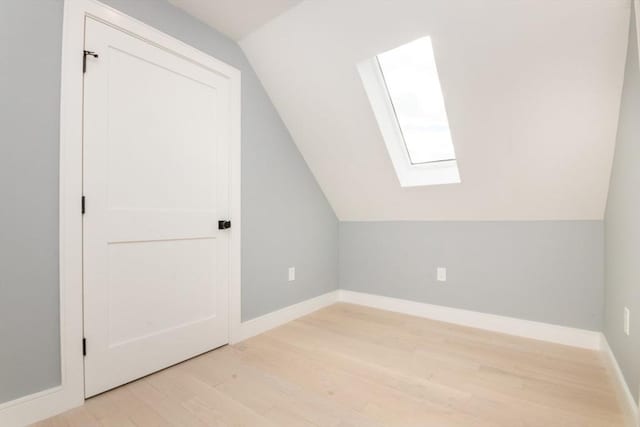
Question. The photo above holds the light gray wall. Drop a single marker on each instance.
(548, 271)
(622, 227)
(286, 218)
(30, 41)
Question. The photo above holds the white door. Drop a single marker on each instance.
(156, 181)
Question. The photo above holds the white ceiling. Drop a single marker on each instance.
(532, 88)
(235, 18)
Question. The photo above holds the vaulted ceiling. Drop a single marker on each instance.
(532, 90)
(235, 18)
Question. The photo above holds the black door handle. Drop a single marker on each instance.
(223, 224)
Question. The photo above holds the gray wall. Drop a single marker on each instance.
(548, 271)
(286, 218)
(622, 227)
(30, 40)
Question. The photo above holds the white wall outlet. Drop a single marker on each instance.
(441, 273)
(292, 274)
(627, 320)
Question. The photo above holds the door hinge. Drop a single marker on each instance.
(84, 59)
(84, 205)
(84, 346)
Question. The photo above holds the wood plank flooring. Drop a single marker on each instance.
(348, 365)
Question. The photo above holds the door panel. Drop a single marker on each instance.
(176, 292)
(168, 147)
(156, 178)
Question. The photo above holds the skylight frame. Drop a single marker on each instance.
(409, 174)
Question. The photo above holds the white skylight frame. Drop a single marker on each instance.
(409, 174)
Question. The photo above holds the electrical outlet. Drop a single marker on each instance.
(441, 273)
(292, 274)
(627, 320)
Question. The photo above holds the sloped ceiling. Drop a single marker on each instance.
(235, 18)
(532, 89)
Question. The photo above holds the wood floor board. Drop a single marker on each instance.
(349, 365)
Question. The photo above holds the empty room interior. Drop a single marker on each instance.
(320, 213)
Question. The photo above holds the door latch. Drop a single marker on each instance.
(224, 224)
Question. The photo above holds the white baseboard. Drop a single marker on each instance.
(625, 397)
(37, 406)
(491, 322)
(274, 319)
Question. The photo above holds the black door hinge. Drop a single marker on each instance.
(224, 224)
(84, 346)
(84, 59)
(84, 206)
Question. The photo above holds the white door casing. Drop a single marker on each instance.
(157, 132)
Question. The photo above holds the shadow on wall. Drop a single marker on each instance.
(622, 226)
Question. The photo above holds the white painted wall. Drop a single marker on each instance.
(532, 90)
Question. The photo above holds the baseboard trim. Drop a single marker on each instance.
(274, 319)
(37, 406)
(508, 325)
(630, 407)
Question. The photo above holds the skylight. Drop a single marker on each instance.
(411, 79)
(405, 94)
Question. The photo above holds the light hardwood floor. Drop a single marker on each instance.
(348, 365)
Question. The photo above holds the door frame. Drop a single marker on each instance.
(70, 393)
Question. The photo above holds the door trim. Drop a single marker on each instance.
(70, 393)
